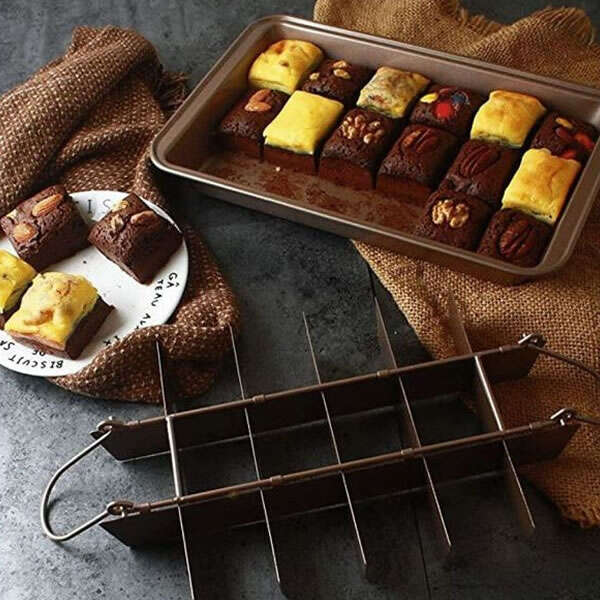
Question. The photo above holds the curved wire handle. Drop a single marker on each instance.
(116, 508)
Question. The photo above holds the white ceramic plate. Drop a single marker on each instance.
(136, 305)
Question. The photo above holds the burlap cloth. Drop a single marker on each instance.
(565, 308)
(87, 120)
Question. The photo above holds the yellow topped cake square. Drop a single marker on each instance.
(15, 276)
(303, 123)
(52, 308)
(541, 185)
(391, 91)
(284, 65)
(507, 118)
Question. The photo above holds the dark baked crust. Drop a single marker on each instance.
(305, 163)
(515, 237)
(137, 239)
(79, 339)
(575, 142)
(326, 81)
(352, 153)
(421, 155)
(452, 110)
(56, 228)
(454, 218)
(483, 170)
(242, 129)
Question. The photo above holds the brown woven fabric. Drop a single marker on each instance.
(87, 120)
(565, 308)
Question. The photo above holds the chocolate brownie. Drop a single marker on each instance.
(135, 238)
(482, 170)
(449, 108)
(338, 80)
(454, 218)
(46, 228)
(242, 127)
(515, 237)
(416, 162)
(566, 137)
(351, 155)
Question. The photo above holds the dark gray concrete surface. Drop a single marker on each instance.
(278, 270)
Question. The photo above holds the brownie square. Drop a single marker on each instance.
(482, 170)
(46, 228)
(416, 162)
(449, 108)
(242, 127)
(566, 137)
(515, 237)
(135, 238)
(338, 80)
(351, 155)
(454, 218)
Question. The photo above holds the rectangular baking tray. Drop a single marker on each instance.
(187, 147)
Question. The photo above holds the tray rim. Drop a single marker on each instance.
(165, 139)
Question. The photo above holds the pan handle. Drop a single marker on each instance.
(116, 508)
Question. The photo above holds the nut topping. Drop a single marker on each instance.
(116, 223)
(47, 205)
(340, 64)
(422, 139)
(446, 211)
(144, 218)
(480, 158)
(357, 127)
(24, 232)
(12, 214)
(314, 76)
(342, 74)
(518, 239)
(564, 135)
(122, 205)
(374, 126)
(368, 138)
(256, 102)
(563, 123)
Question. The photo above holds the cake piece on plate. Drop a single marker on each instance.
(566, 137)
(15, 277)
(482, 170)
(455, 219)
(352, 153)
(507, 118)
(242, 127)
(135, 238)
(284, 65)
(392, 92)
(338, 80)
(515, 237)
(449, 108)
(541, 185)
(294, 138)
(416, 163)
(59, 314)
(46, 228)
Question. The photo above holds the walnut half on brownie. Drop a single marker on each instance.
(59, 314)
(46, 228)
(135, 238)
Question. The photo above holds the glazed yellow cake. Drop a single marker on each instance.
(15, 276)
(541, 185)
(284, 65)
(507, 118)
(303, 123)
(52, 308)
(391, 91)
